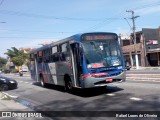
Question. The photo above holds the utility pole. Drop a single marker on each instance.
(134, 36)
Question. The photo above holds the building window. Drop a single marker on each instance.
(126, 42)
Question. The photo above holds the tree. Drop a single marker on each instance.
(18, 61)
(14, 52)
(3, 62)
(18, 57)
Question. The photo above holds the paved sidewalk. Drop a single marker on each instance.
(145, 68)
(25, 74)
(7, 104)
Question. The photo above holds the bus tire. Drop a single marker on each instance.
(68, 84)
(43, 84)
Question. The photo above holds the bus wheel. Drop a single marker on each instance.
(68, 85)
(42, 82)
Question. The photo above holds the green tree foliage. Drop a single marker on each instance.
(18, 61)
(3, 62)
(17, 57)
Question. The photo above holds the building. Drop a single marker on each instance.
(26, 50)
(147, 47)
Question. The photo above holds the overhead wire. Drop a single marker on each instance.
(18, 30)
(99, 25)
(17, 13)
(147, 6)
(1, 2)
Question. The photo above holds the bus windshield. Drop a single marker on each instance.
(102, 53)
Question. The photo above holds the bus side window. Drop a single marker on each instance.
(54, 55)
(64, 49)
(46, 55)
(40, 54)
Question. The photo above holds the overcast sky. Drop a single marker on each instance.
(28, 23)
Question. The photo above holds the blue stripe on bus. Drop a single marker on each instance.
(84, 68)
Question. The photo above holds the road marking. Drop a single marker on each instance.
(135, 99)
(25, 82)
(111, 94)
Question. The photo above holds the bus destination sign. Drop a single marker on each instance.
(99, 37)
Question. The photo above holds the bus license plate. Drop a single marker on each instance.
(109, 80)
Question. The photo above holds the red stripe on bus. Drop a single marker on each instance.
(44, 75)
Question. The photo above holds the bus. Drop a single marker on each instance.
(83, 60)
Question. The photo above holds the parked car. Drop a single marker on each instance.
(6, 71)
(7, 83)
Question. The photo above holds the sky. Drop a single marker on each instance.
(29, 23)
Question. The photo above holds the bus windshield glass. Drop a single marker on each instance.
(102, 53)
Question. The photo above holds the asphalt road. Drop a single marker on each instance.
(127, 96)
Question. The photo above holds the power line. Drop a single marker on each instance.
(6, 37)
(18, 30)
(1, 2)
(100, 24)
(147, 6)
(102, 21)
(128, 22)
(17, 13)
(112, 20)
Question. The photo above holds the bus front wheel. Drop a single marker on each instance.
(68, 85)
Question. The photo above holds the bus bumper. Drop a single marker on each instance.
(103, 81)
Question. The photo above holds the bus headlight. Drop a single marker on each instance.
(120, 67)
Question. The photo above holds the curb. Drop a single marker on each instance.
(45, 115)
(144, 80)
(145, 68)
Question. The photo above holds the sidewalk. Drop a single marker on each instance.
(25, 74)
(8, 104)
(145, 68)
(12, 110)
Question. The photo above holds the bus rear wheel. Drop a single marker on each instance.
(68, 85)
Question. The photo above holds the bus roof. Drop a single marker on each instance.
(74, 37)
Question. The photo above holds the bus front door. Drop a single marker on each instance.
(77, 70)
